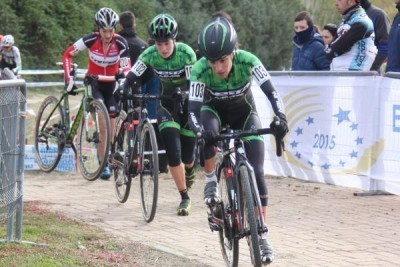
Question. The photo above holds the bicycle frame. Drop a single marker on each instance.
(133, 127)
(67, 127)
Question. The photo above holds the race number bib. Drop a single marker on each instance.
(124, 62)
(196, 91)
(139, 68)
(260, 74)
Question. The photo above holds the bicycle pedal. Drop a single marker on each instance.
(213, 223)
(214, 227)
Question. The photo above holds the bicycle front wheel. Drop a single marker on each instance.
(49, 134)
(249, 217)
(149, 171)
(227, 212)
(93, 140)
(120, 159)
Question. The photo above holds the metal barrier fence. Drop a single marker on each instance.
(12, 147)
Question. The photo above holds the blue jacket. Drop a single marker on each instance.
(310, 55)
(393, 63)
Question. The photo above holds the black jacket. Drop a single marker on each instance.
(136, 47)
(136, 44)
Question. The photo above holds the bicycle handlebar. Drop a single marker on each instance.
(142, 96)
(74, 75)
(236, 134)
(145, 96)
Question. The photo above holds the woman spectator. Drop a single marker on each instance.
(329, 33)
(308, 47)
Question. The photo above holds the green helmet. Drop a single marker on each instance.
(163, 27)
(217, 39)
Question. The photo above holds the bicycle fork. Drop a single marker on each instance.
(135, 147)
(262, 228)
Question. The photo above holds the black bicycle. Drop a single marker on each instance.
(134, 151)
(239, 214)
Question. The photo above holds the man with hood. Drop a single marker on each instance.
(381, 23)
(393, 63)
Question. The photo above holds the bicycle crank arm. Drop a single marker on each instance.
(215, 223)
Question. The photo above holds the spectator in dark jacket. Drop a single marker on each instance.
(128, 25)
(381, 23)
(393, 63)
(308, 50)
(135, 43)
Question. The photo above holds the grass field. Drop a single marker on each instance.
(51, 239)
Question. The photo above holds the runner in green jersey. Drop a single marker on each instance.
(220, 94)
(171, 61)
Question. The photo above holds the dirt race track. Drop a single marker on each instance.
(310, 224)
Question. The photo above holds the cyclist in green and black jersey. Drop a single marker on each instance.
(171, 62)
(220, 94)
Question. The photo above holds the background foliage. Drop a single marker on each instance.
(44, 29)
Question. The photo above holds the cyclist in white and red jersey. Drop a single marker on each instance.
(108, 52)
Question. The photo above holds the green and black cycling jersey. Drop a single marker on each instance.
(173, 72)
(230, 95)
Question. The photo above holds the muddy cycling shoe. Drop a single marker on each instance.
(106, 174)
(184, 207)
(211, 196)
(267, 255)
(189, 177)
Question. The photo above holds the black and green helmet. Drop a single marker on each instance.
(163, 27)
(217, 39)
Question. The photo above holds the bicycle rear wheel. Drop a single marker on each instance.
(120, 159)
(149, 171)
(49, 134)
(93, 140)
(249, 217)
(225, 210)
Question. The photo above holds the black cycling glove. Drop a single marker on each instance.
(279, 126)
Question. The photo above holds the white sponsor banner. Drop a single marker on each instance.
(67, 162)
(344, 130)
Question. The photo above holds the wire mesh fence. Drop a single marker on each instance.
(12, 146)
